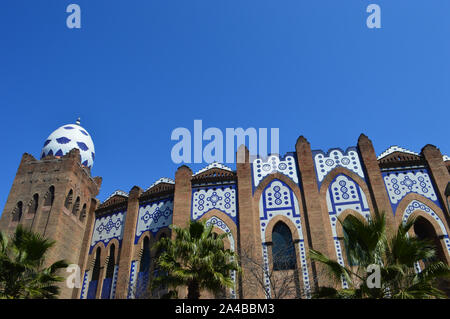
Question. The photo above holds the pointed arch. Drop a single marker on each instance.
(69, 198)
(76, 206)
(17, 212)
(414, 206)
(33, 207)
(283, 249)
(49, 196)
(344, 191)
(278, 198)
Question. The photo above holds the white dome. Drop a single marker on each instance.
(68, 137)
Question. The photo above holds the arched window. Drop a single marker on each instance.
(93, 284)
(17, 212)
(69, 198)
(145, 257)
(50, 196)
(83, 213)
(111, 262)
(96, 268)
(351, 261)
(76, 206)
(283, 250)
(424, 230)
(34, 205)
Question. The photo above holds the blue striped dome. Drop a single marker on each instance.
(68, 137)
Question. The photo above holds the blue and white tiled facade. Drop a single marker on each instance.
(154, 216)
(286, 165)
(219, 223)
(325, 163)
(108, 227)
(132, 280)
(278, 199)
(400, 183)
(344, 193)
(220, 197)
(416, 205)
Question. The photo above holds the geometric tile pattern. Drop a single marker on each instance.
(286, 166)
(132, 281)
(279, 199)
(325, 163)
(220, 197)
(83, 294)
(400, 183)
(153, 217)
(217, 222)
(108, 227)
(344, 193)
(417, 205)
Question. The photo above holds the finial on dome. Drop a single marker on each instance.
(78, 122)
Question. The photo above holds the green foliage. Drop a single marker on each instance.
(22, 271)
(367, 244)
(195, 258)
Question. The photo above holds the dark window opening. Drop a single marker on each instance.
(283, 250)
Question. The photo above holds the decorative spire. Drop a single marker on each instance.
(78, 122)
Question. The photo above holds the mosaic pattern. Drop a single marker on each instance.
(278, 199)
(222, 198)
(287, 166)
(219, 223)
(325, 163)
(400, 183)
(153, 217)
(83, 294)
(417, 205)
(107, 228)
(68, 137)
(132, 281)
(114, 283)
(344, 193)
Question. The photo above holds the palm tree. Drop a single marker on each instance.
(22, 274)
(368, 244)
(195, 258)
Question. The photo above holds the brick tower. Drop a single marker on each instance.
(54, 196)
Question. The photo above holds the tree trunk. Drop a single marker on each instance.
(193, 290)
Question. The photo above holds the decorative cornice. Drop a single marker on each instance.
(211, 166)
(396, 148)
(162, 180)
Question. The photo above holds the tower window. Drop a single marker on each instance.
(83, 213)
(34, 204)
(17, 213)
(50, 196)
(76, 206)
(69, 198)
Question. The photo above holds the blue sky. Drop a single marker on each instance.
(137, 69)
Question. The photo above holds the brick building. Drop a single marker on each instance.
(295, 197)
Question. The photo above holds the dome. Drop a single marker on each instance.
(68, 137)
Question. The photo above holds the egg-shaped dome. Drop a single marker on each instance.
(68, 137)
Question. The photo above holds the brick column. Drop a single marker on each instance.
(439, 172)
(127, 249)
(84, 254)
(316, 217)
(182, 206)
(182, 197)
(378, 193)
(248, 233)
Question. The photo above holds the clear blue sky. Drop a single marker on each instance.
(137, 69)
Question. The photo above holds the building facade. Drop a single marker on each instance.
(295, 198)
